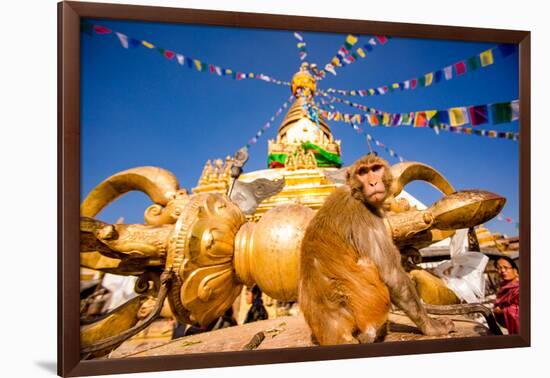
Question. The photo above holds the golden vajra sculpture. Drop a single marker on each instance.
(205, 241)
(197, 250)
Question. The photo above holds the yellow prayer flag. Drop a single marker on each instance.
(372, 91)
(486, 57)
(457, 116)
(430, 114)
(386, 119)
(198, 64)
(251, 75)
(395, 85)
(360, 52)
(351, 39)
(335, 61)
(147, 44)
(429, 78)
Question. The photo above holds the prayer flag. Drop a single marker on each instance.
(298, 36)
(430, 114)
(123, 39)
(386, 119)
(422, 81)
(413, 83)
(367, 47)
(420, 119)
(406, 84)
(486, 58)
(351, 39)
(147, 44)
(458, 116)
(473, 63)
(448, 72)
(169, 54)
(372, 41)
(478, 115)
(180, 58)
(360, 52)
(382, 39)
(428, 79)
(198, 64)
(134, 42)
(506, 49)
(406, 119)
(460, 68)
(438, 76)
(330, 68)
(501, 112)
(101, 29)
(515, 110)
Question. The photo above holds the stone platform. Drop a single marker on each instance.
(283, 332)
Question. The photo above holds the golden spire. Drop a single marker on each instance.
(303, 123)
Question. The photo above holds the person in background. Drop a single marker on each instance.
(507, 300)
(257, 311)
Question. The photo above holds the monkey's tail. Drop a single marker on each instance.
(468, 308)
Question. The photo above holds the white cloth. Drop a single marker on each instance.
(463, 274)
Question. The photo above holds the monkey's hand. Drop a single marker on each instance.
(438, 327)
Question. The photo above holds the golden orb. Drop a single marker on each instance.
(268, 252)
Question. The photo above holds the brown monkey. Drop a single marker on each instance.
(350, 269)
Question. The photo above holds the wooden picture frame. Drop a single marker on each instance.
(69, 16)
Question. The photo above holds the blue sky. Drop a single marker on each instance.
(139, 108)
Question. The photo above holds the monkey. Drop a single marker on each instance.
(350, 269)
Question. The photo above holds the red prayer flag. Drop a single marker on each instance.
(460, 68)
(413, 83)
(169, 54)
(381, 39)
(212, 68)
(101, 29)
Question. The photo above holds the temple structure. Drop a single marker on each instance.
(303, 151)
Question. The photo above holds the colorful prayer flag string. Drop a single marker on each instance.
(183, 60)
(484, 59)
(301, 45)
(369, 139)
(346, 55)
(349, 103)
(451, 118)
(252, 141)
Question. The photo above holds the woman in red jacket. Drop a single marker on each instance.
(507, 302)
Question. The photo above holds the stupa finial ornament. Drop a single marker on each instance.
(304, 81)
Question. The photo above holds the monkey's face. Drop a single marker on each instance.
(371, 177)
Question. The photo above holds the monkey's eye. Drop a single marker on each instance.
(376, 167)
(362, 171)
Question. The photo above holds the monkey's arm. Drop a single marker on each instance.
(379, 248)
(403, 294)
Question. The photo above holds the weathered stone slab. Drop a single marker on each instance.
(283, 332)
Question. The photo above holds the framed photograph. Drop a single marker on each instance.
(240, 188)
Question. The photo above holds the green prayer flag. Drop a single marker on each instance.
(501, 112)
(473, 63)
(422, 81)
